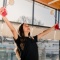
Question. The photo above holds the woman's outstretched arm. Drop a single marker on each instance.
(13, 30)
(4, 13)
(45, 32)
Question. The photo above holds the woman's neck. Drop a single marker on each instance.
(26, 34)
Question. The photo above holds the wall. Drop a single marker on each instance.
(36, 30)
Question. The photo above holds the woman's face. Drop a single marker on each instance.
(26, 28)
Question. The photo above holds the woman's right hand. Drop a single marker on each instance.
(3, 11)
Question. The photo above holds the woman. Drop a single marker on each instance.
(26, 44)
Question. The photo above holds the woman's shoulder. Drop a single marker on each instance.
(34, 38)
(18, 39)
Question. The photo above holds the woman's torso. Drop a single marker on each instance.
(28, 48)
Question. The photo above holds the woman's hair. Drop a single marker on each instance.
(21, 31)
(18, 53)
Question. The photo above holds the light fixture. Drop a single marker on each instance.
(53, 1)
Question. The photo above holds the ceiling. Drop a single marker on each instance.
(55, 5)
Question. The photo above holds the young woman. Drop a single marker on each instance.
(26, 44)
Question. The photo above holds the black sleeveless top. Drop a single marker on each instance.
(27, 47)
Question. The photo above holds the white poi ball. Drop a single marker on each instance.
(11, 2)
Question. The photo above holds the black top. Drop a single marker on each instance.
(28, 48)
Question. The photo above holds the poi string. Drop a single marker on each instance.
(52, 13)
(54, 34)
(56, 28)
(1, 32)
(11, 2)
(32, 17)
(3, 13)
(31, 29)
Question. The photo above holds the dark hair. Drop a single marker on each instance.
(21, 31)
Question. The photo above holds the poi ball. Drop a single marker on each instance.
(57, 27)
(11, 2)
(4, 13)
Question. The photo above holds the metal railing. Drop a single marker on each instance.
(7, 50)
(10, 55)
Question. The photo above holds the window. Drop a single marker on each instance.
(59, 19)
(20, 12)
(44, 16)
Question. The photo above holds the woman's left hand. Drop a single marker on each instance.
(56, 26)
